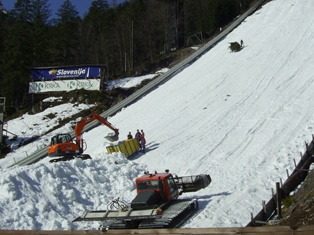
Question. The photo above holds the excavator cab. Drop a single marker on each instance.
(60, 138)
(62, 146)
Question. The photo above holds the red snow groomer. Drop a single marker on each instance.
(156, 204)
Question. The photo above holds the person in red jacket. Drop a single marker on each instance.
(142, 141)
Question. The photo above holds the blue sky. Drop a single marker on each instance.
(82, 6)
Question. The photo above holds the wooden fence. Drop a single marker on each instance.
(293, 181)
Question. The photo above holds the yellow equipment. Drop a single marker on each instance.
(127, 147)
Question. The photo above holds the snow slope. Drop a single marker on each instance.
(240, 117)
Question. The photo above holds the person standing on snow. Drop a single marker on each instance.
(143, 141)
(138, 136)
(130, 136)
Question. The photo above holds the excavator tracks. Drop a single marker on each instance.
(69, 158)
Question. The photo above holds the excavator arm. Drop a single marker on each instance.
(88, 119)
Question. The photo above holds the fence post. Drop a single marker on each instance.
(264, 211)
(278, 200)
(252, 219)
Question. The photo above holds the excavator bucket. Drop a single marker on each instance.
(112, 137)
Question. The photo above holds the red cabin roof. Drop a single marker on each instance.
(154, 176)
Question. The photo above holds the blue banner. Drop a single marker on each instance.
(66, 73)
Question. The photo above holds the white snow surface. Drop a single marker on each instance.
(129, 82)
(240, 117)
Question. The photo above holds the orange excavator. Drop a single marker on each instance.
(63, 147)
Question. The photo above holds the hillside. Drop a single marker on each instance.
(299, 209)
(240, 117)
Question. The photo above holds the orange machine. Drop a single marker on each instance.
(156, 204)
(63, 146)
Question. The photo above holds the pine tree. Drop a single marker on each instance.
(17, 56)
(40, 32)
(3, 20)
(66, 33)
(2, 10)
(96, 31)
(225, 12)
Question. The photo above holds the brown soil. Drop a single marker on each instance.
(299, 209)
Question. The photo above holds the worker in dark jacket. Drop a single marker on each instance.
(143, 141)
(138, 136)
(130, 136)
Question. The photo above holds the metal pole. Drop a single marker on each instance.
(2, 109)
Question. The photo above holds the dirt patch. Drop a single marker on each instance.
(298, 209)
